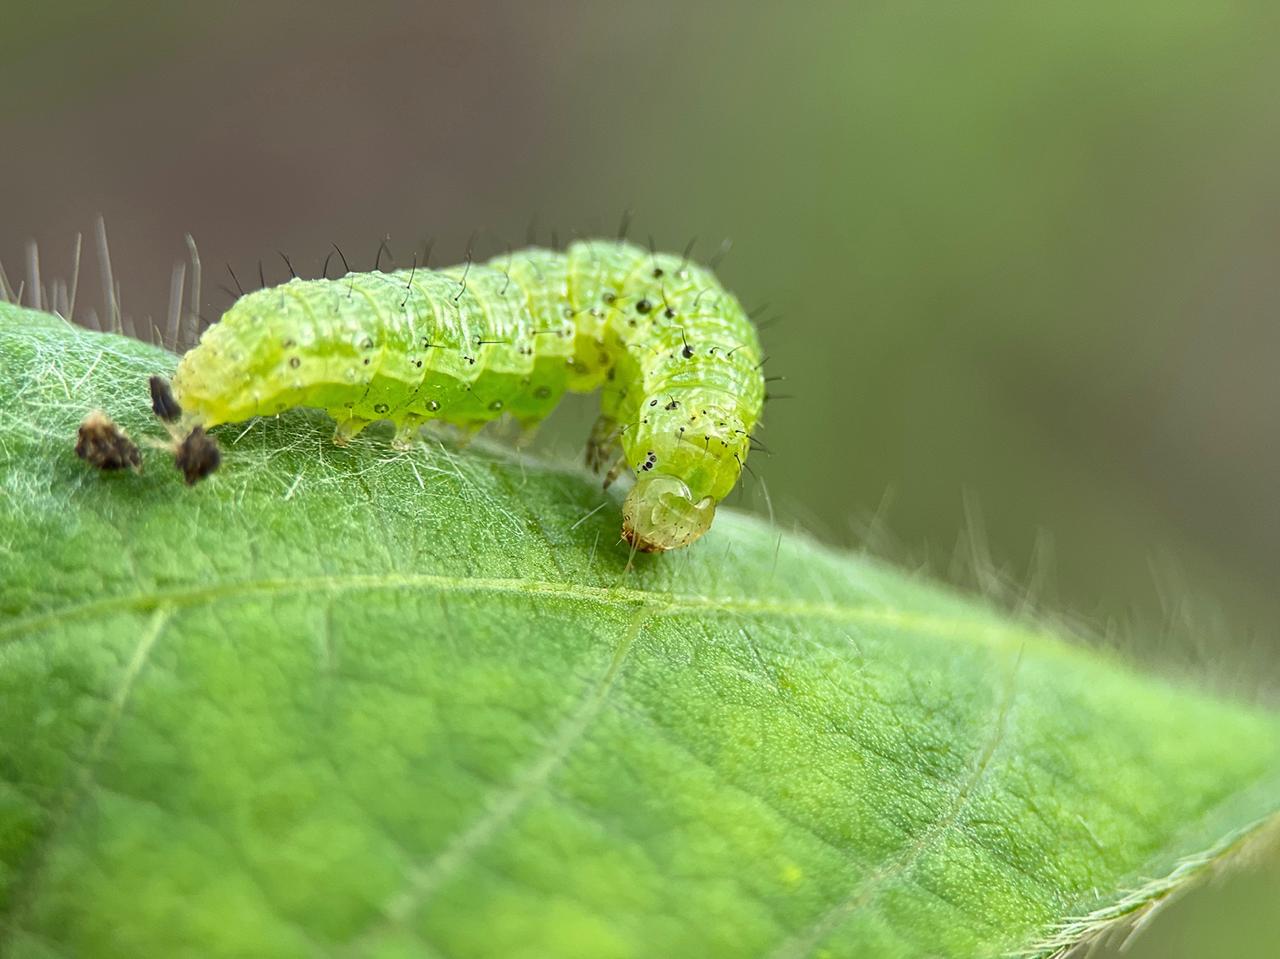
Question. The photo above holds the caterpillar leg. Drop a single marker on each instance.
(602, 446)
(514, 431)
(615, 471)
(456, 435)
(464, 433)
(528, 432)
(406, 432)
(348, 429)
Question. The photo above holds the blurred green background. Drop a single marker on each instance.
(1026, 255)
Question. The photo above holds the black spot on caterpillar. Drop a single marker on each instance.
(471, 343)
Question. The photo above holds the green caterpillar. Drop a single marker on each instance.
(674, 354)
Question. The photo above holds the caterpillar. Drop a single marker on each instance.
(676, 358)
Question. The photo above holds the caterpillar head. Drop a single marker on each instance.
(660, 514)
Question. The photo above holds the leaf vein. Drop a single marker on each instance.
(81, 776)
(805, 942)
(426, 878)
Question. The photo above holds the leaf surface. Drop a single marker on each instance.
(360, 702)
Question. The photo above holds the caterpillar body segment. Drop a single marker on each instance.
(674, 355)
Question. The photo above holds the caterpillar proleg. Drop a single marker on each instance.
(674, 355)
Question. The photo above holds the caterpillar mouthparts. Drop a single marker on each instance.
(659, 514)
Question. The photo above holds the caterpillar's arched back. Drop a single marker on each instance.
(675, 356)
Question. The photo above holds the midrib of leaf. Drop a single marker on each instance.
(619, 597)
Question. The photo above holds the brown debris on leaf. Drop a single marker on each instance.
(101, 443)
(163, 404)
(197, 456)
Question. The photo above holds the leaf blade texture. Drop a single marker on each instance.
(359, 702)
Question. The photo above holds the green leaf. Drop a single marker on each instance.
(360, 702)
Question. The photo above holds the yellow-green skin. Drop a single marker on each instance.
(674, 354)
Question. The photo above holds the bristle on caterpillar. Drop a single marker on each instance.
(676, 358)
